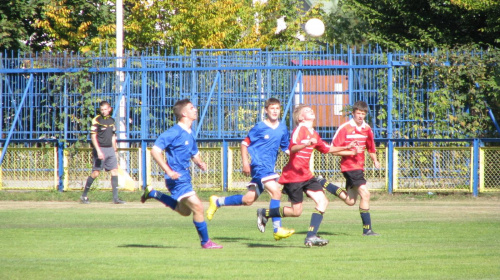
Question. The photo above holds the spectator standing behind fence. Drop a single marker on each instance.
(298, 178)
(352, 167)
(180, 147)
(104, 150)
(262, 143)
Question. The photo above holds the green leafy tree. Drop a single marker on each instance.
(17, 31)
(74, 25)
(466, 84)
(406, 24)
(213, 24)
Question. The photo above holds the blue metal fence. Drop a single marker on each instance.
(229, 86)
(46, 96)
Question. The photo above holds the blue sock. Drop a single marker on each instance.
(202, 230)
(276, 220)
(236, 199)
(163, 198)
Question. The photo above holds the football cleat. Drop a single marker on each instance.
(145, 195)
(315, 241)
(370, 233)
(84, 200)
(212, 208)
(211, 245)
(283, 233)
(261, 219)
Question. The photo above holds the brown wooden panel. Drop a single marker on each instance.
(329, 105)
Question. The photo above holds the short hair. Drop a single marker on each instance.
(361, 106)
(179, 106)
(104, 103)
(297, 111)
(272, 101)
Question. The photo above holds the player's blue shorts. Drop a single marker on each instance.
(257, 182)
(179, 189)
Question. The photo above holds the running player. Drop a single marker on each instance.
(298, 179)
(352, 166)
(180, 147)
(262, 143)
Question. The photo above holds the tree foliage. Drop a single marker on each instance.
(213, 24)
(74, 25)
(83, 25)
(17, 31)
(466, 85)
(406, 24)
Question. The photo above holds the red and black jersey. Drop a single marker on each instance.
(105, 128)
(349, 132)
(297, 168)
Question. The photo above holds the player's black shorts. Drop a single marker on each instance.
(354, 178)
(295, 191)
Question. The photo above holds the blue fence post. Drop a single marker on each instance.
(225, 150)
(144, 150)
(390, 158)
(350, 76)
(219, 102)
(60, 160)
(475, 167)
(389, 96)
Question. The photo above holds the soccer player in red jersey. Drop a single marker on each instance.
(298, 179)
(352, 166)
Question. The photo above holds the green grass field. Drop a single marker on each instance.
(420, 239)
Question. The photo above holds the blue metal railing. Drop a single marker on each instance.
(227, 86)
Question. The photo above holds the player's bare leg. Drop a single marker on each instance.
(194, 205)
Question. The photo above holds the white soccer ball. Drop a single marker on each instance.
(315, 27)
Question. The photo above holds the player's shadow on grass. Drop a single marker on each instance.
(277, 246)
(146, 246)
(229, 239)
(324, 233)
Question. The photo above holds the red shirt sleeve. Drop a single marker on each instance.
(321, 145)
(246, 141)
(370, 142)
(339, 138)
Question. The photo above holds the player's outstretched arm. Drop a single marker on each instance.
(344, 150)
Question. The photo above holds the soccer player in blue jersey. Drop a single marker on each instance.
(262, 143)
(180, 148)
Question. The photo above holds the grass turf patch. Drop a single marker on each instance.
(421, 239)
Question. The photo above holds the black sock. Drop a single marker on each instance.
(333, 189)
(316, 219)
(114, 186)
(275, 212)
(365, 218)
(90, 180)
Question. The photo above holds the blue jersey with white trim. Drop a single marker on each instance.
(179, 146)
(263, 143)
